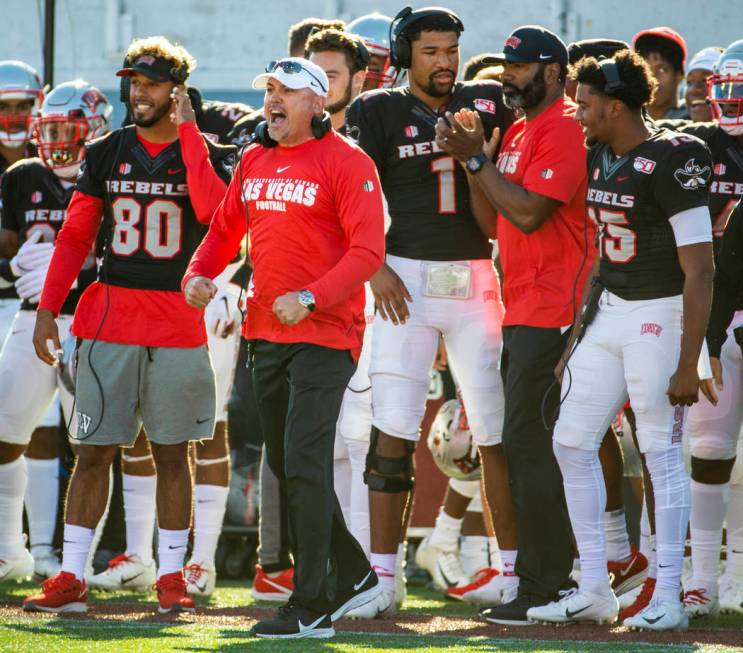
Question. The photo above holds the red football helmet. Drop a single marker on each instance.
(374, 31)
(725, 89)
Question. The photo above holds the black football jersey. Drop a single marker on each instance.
(631, 198)
(243, 129)
(149, 229)
(217, 119)
(34, 199)
(426, 189)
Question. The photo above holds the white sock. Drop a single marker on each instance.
(708, 508)
(139, 513)
(385, 564)
(77, 544)
(672, 507)
(734, 564)
(446, 532)
(617, 537)
(496, 559)
(171, 550)
(13, 480)
(210, 502)
(585, 492)
(474, 552)
(42, 497)
(359, 525)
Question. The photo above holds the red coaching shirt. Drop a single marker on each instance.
(546, 155)
(314, 212)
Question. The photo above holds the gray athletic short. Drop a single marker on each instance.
(169, 390)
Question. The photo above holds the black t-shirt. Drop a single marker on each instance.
(426, 189)
(34, 199)
(632, 199)
(147, 199)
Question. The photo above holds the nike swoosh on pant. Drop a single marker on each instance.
(358, 585)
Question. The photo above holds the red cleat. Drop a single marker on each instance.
(60, 593)
(171, 593)
(625, 576)
(276, 587)
(641, 602)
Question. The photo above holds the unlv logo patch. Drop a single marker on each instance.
(651, 327)
(36, 197)
(125, 168)
(692, 175)
(644, 165)
(411, 131)
(512, 42)
(93, 98)
(487, 106)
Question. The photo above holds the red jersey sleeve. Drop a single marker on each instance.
(558, 165)
(205, 188)
(72, 246)
(359, 204)
(226, 231)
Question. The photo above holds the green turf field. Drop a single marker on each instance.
(129, 625)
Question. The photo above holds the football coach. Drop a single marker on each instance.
(312, 204)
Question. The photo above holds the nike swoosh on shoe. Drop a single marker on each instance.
(358, 585)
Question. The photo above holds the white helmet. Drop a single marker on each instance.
(725, 89)
(450, 442)
(374, 31)
(73, 114)
(18, 81)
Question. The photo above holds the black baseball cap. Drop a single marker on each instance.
(531, 44)
(595, 48)
(157, 69)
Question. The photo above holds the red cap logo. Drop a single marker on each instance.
(512, 42)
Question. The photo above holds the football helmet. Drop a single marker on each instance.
(374, 30)
(73, 114)
(450, 442)
(725, 89)
(18, 81)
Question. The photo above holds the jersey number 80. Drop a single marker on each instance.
(161, 227)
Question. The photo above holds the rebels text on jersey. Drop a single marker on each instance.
(149, 227)
(426, 189)
(35, 200)
(632, 198)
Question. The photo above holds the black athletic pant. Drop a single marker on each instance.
(299, 388)
(545, 551)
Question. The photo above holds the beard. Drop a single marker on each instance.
(342, 103)
(433, 90)
(158, 115)
(530, 96)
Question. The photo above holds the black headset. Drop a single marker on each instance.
(179, 74)
(321, 125)
(362, 58)
(610, 71)
(400, 48)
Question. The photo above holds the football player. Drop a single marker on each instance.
(701, 66)
(299, 32)
(149, 189)
(36, 193)
(438, 279)
(648, 190)
(374, 31)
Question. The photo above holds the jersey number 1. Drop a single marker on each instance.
(162, 227)
(444, 168)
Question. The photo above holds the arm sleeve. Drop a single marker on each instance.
(205, 187)
(684, 179)
(74, 243)
(692, 226)
(728, 282)
(226, 230)
(558, 167)
(365, 130)
(358, 198)
(87, 182)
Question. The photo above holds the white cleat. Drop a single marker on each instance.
(487, 587)
(200, 578)
(731, 596)
(382, 606)
(700, 603)
(577, 606)
(125, 572)
(401, 589)
(659, 615)
(445, 567)
(46, 565)
(18, 569)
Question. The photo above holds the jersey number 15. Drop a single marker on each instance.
(617, 242)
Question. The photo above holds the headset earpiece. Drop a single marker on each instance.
(400, 46)
(260, 135)
(610, 71)
(125, 85)
(321, 125)
(179, 73)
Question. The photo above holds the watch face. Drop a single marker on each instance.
(473, 164)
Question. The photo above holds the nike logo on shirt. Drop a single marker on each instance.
(282, 168)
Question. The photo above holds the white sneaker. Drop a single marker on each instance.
(126, 571)
(731, 595)
(575, 606)
(46, 564)
(700, 602)
(659, 615)
(17, 569)
(382, 606)
(445, 567)
(200, 578)
(487, 587)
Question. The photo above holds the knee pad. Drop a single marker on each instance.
(382, 473)
(712, 472)
(670, 481)
(469, 489)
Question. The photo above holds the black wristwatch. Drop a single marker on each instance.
(307, 299)
(475, 163)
